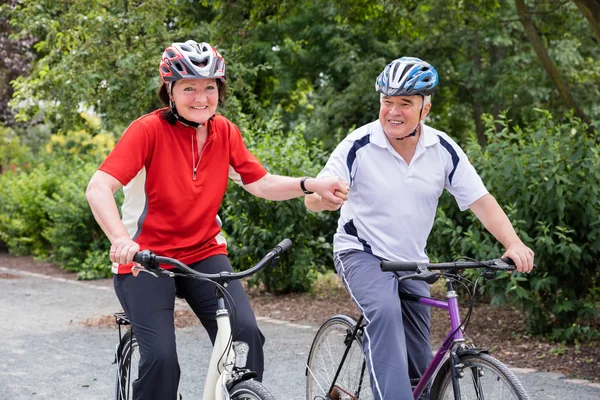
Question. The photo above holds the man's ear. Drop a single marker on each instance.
(425, 111)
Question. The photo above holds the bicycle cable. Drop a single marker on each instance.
(458, 279)
(229, 304)
(472, 295)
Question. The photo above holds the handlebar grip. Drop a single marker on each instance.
(399, 266)
(511, 263)
(283, 246)
(143, 257)
(507, 260)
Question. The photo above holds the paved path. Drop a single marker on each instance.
(47, 353)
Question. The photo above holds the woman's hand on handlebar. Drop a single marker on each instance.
(123, 249)
(521, 255)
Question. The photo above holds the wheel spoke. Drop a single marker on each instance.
(328, 349)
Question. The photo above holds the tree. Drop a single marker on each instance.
(16, 57)
(548, 64)
(93, 55)
(591, 11)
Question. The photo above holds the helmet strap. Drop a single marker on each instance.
(414, 133)
(176, 114)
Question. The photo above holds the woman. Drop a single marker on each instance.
(174, 164)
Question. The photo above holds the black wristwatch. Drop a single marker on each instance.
(304, 187)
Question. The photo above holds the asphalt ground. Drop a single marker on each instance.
(46, 352)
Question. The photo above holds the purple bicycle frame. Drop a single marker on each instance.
(455, 334)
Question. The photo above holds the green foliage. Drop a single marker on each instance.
(22, 216)
(255, 225)
(547, 177)
(44, 211)
(12, 153)
(92, 55)
(76, 241)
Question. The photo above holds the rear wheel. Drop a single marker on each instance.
(128, 361)
(250, 390)
(324, 360)
(484, 377)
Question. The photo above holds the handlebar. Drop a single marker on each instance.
(151, 263)
(422, 271)
(499, 264)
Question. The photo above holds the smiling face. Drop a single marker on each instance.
(196, 99)
(399, 115)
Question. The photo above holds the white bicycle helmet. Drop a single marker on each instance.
(191, 60)
(407, 76)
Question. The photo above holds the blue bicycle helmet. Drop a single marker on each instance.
(407, 76)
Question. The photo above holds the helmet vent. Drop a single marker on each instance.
(407, 76)
(191, 60)
(199, 64)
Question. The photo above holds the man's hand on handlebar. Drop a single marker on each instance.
(521, 255)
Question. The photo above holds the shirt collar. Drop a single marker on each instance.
(428, 136)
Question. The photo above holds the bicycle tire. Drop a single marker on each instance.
(492, 379)
(128, 358)
(325, 356)
(250, 390)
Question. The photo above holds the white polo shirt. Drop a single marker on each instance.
(391, 205)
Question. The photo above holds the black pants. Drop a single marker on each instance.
(149, 303)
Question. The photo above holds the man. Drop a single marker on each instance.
(397, 168)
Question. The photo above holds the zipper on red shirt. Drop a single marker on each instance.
(195, 163)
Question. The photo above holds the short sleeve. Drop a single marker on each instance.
(339, 163)
(129, 155)
(244, 166)
(462, 181)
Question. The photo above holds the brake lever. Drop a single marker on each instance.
(489, 274)
(158, 273)
(423, 274)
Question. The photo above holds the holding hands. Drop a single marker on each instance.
(329, 192)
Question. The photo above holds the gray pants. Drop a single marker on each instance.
(396, 339)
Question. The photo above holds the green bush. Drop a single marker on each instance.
(547, 177)
(22, 214)
(44, 212)
(13, 154)
(255, 225)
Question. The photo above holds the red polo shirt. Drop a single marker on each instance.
(167, 208)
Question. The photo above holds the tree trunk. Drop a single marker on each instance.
(497, 54)
(591, 11)
(551, 70)
(478, 73)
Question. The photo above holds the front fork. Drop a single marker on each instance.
(457, 367)
(456, 372)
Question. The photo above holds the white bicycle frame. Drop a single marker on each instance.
(222, 359)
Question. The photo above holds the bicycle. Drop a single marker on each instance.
(336, 366)
(227, 377)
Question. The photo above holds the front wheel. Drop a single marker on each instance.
(250, 390)
(483, 377)
(331, 342)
